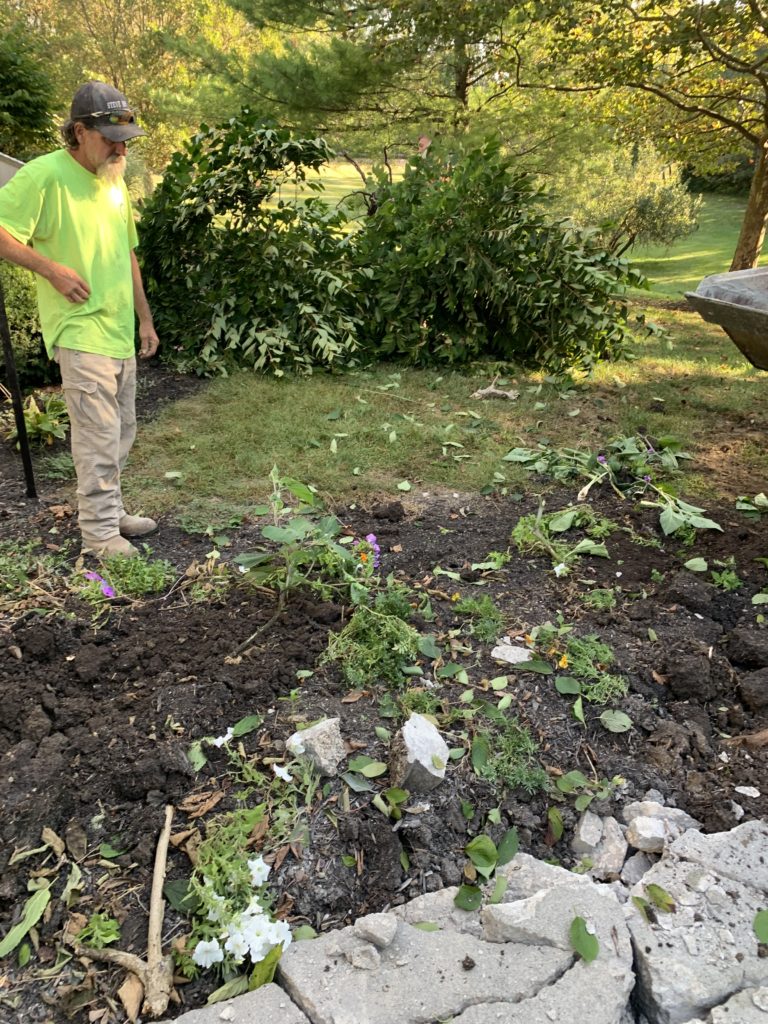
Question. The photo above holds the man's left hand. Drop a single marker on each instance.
(149, 341)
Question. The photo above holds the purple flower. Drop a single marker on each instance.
(647, 479)
(371, 539)
(106, 590)
(602, 459)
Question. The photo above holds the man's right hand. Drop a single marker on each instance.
(68, 283)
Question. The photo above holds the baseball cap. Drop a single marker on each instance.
(105, 108)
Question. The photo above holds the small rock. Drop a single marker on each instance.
(365, 957)
(587, 835)
(648, 834)
(635, 867)
(378, 929)
(322, 744)
(418, 756)
(611, 853)
(653, 809)
(747, 791)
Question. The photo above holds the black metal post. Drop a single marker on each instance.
(18, 405)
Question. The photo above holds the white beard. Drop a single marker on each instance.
(112, 170)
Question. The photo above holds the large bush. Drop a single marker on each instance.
(235, 276)
(456, 262)
(33, 366)
(464, 264)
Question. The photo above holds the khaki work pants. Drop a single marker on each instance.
(101, 399)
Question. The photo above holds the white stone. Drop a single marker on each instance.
(379, 929)
(747, 791)
(364, 957)
(610, 855)
(511, 653)
(525, 876)
(587, 834)
(649, 834)
(418, 756)
(654, 809)
(322, 744)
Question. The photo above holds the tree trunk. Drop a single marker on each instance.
(753, 226)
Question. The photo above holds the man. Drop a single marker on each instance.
(67, 217)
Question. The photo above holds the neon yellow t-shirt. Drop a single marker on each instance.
(75, 218)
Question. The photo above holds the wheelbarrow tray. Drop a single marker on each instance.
(745, 320)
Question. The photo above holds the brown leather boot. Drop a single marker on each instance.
(113, 546)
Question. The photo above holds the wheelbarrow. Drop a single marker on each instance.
(737, 302)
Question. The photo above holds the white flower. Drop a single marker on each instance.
(237, 944)
(259, 872)
(257, 933)
(218, 911)
(208, 953)
(282, 773)
(561, 569)
(294, 744)
(221, 740)
(281, 934)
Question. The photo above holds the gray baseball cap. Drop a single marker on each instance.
(106, 109)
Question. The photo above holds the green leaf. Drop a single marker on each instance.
(583, 800)
(643, 907)
(348, 860)
(505, 701)
(25, 954)
(383, 734)
(427, 926)
(572, 781)
(483, 853)
(405, 861)
(304, 933)
(536, 665)
(374, 770)
(404, 485)
(578, 710)
(428, 647)
(583, 941)
(181, 897)
(499, 683)
(467, 809)
(509, 845)
(652, 635)
(481, 752)
(357, 784)
(567, 685)
(109, 852)
(616, 721)
(236, 987)
(264, 971)
(469, 897)
(760, 599)
(248, 724)
(34, 909)
(697, 564)
(499, 889)
(660, 898)
(556, 823)
(669, 520)
(760, 926)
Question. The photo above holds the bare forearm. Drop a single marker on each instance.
(143, 312)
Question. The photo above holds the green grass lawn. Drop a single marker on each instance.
(709, 250)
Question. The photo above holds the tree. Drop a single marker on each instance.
(26, 95)
(698, 70)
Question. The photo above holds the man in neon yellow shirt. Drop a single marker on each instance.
(67, 217)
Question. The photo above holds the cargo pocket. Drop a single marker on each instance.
(86, 410)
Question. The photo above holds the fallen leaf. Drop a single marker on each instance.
(55, 842)
(396, 548)
(181, 837)
(131, 994)
(658, 678)
(198, 804)
(354, 696)
(76, 840)
(754, 740)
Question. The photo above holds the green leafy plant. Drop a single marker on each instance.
(21, 564)
(600, 599)
(100, 931)
(373, 647)
(126, 577)
(484, 858)
(507, 753)
(585, 790)
(487, 619)
(541, 534)
(33, 367)
(583, 940)
(45, 423)
(726, 577)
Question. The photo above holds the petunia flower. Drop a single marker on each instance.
(259, 874)
(282, 773)
(602, 459)
(371, 538)
(207, 954)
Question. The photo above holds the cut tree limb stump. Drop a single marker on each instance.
(156, 974)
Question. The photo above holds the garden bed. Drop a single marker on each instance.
(100, 714)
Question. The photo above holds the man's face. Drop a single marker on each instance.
(99, 155)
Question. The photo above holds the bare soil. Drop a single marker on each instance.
(97, 718)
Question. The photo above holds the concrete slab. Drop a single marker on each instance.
(269, 1003)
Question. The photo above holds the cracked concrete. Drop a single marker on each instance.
(512, 962)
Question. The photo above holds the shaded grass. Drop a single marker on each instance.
(363, 433)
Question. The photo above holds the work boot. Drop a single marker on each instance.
(113, 546)
(137, 526)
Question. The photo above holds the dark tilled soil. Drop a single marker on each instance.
(97, 718)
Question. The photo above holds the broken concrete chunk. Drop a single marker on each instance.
(322, 744)
(379, 929)
(741, 854)
(418, 756)
(653, 809)
(635, 867)
(587, 835)
(364, 957)
(610, 855)
(649, 834)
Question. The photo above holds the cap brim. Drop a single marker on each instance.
(120, 132)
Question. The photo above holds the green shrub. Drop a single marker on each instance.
(33, 366)
(463, 263)
(234, 282)
(373, 647)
